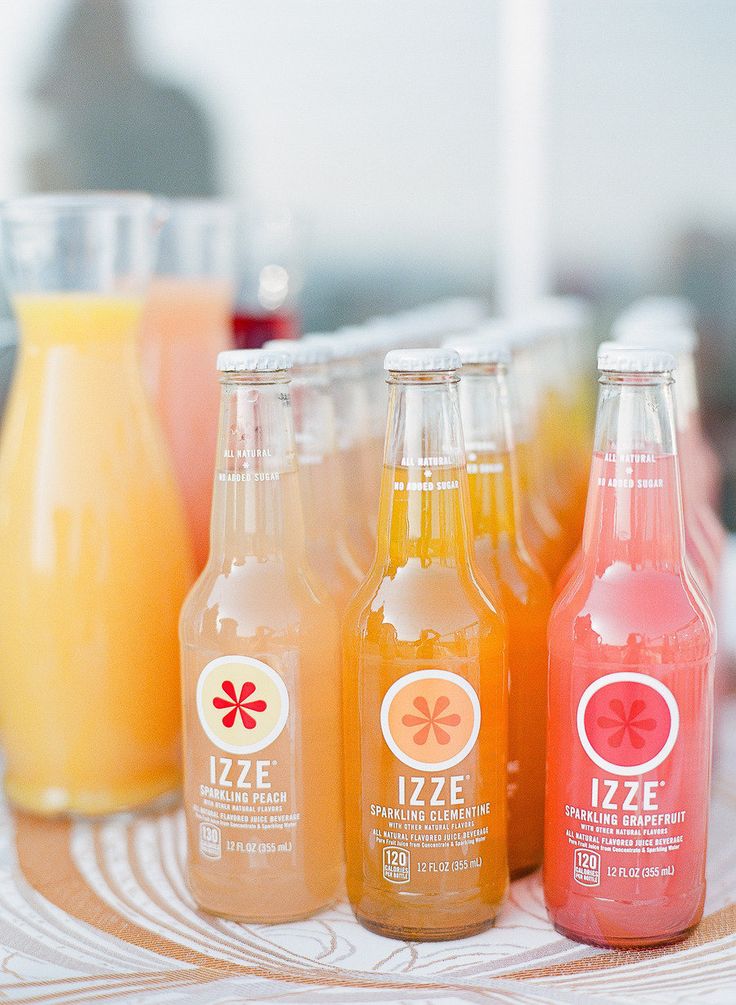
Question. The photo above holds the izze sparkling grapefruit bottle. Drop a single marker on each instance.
(519, 583)
(260, 668)
(630, 686)
(425, 685)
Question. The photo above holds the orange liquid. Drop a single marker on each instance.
(425, 827)
(95, 564)
(186, 323)
(525, 597)
(262, 786)
(544, 534)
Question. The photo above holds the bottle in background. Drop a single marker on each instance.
(352, 418)
(320, 478)
(630, 688)
(95, 553)
(519, 583)
(425, 685)
(566, 412)
(186, 323)
(700, 469)
(545, 536)
(260, 675)
(270, 276)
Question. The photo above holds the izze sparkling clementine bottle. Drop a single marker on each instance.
(260, 669)
(519, 583)
(425, 685)
(630, 687)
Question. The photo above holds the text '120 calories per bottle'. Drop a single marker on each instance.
(425, 685)
(260, 669)
(630, 688)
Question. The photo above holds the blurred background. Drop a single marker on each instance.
(419, 148)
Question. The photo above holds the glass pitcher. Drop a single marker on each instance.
(95, 558)
(186, 323)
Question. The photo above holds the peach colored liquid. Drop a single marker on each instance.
(185, 324)
(261, 687)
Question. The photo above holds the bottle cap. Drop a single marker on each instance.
(615, 357)
(301, 352)
(252, 361)
(421, 360)
(480, 348)
(677, 339)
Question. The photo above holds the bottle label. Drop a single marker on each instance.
(429, 809)
(430, 719)
(242, 795)
(242, 704)
(630, 794)
(628, 723)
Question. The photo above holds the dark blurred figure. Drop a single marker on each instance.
(113, 126)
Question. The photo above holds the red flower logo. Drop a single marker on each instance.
(431, 721)
(239, 704)
(626, 723)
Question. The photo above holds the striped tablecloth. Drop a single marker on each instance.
(100, 911)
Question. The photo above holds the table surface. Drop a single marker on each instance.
(100, 911)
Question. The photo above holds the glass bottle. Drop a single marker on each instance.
(186, 322)
(95, 555)
(352, 418)
(320, 478)
(630, 688)
(550, 541)
(700, 468)
(425, 685)
(519, 583)
(260, 675)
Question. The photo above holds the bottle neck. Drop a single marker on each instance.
(256, 508)
(424, 509)
(634, 510)
(314, 426)
(687, 407)
(489, 447)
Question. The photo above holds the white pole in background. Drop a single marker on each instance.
(523, 266)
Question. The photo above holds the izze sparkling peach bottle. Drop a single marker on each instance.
(425, 685)
(630, 687)
(519, 583)
(260, 668)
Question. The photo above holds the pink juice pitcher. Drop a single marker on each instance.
(185, 324)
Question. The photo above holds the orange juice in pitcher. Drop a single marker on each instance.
(95, 556)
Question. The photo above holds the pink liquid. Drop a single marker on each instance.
(630, 715)
(185, 325)
(251, 330)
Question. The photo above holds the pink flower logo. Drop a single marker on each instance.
(239, 704)
(432, 721)
(626, 723)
